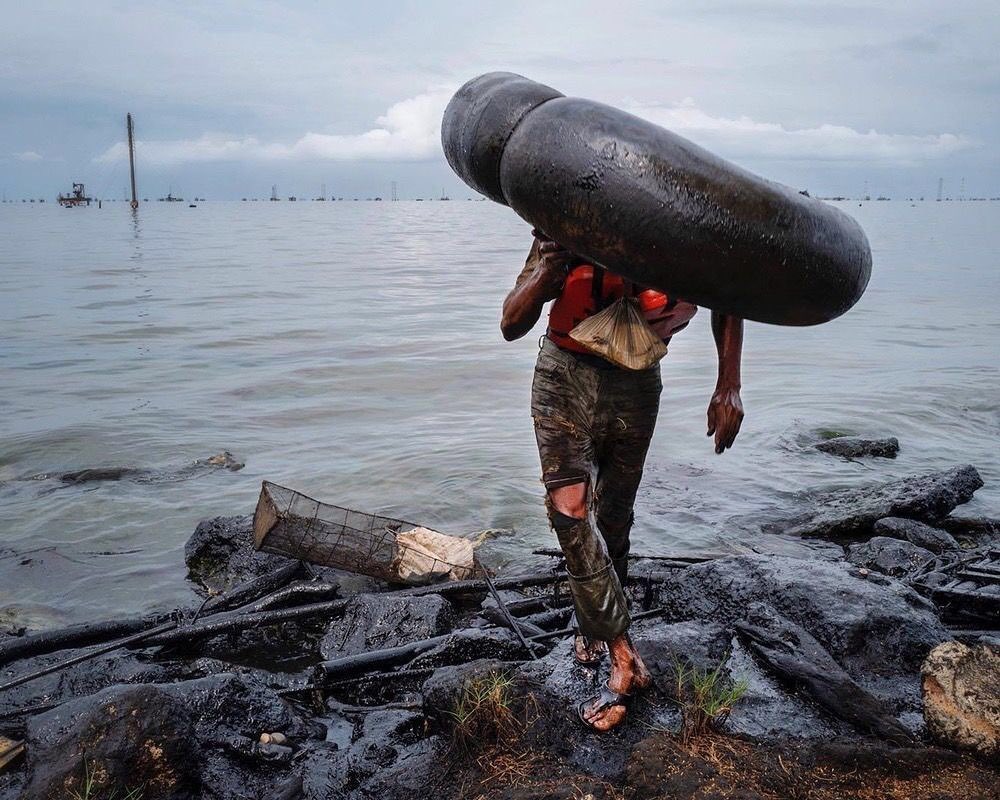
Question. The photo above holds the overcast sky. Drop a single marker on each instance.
(232, 97)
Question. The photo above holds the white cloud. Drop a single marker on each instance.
(28, 156)
(743, 137)
(408, 131)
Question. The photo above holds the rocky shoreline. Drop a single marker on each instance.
(342, 686)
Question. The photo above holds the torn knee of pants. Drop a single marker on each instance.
(557, 518)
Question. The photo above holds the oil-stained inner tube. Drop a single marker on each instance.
(653, 206)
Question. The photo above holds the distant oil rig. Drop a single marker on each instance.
(78, 197)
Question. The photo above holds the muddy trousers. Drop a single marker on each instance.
(593, 424)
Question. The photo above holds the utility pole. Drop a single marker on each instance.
(131, 158)
(940, 189)
(395, 195)
(961, 191)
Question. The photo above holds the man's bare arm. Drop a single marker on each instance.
(725, 411)
(542, 283)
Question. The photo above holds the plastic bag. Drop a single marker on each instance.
(621, 335)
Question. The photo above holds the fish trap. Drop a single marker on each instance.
(291, 524)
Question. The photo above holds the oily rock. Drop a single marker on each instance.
(859, 447)
(380, 621)
(889, 556)
(961, 691)
(846, 513)
(915, 532)
(124, 738)
(868, 623)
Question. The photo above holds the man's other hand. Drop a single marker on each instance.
(725, 415)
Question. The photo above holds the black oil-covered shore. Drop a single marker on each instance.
(304, 693)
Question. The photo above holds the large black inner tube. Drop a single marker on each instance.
(653, 206)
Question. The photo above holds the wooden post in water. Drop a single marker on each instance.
(131, 159)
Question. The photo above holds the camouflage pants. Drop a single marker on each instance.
(593, 424)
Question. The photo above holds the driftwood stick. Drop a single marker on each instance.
(529, 605)
(400, 674)
(981, 600)
(347, 708)
(88, 633)
(250, 590)
(548, 618)
(236, 621)
(348, 666)
(97, 651)
(128, 641)
(528, 647)
(496, 616)
(316, 591)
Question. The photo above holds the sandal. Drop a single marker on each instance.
(608, 698)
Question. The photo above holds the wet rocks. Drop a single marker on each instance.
(858, 447)
(122, 738)
(869, 624)
(186, 739)
(961, 691)
(444, 688)
(853, 512)
(80, 679)
(95, 474)
(220, 554)
(665, 645)
(378, 622)
(918, 533)
(889, 556)
(975, 528)
(473, 644)
(798, 659)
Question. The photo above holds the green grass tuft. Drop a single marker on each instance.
(484, 717)
(705, 697)
(91, 788)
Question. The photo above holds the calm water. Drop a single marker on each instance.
(351, 350)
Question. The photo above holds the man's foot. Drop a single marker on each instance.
(588, 651)
(628, 674)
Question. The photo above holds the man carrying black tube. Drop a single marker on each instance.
(593, 424)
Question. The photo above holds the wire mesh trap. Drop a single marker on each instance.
(291, 524)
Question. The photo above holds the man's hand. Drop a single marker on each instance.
(725, 415)
(553, 266)
(554, 262)
(725, 410)
(541, 280)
